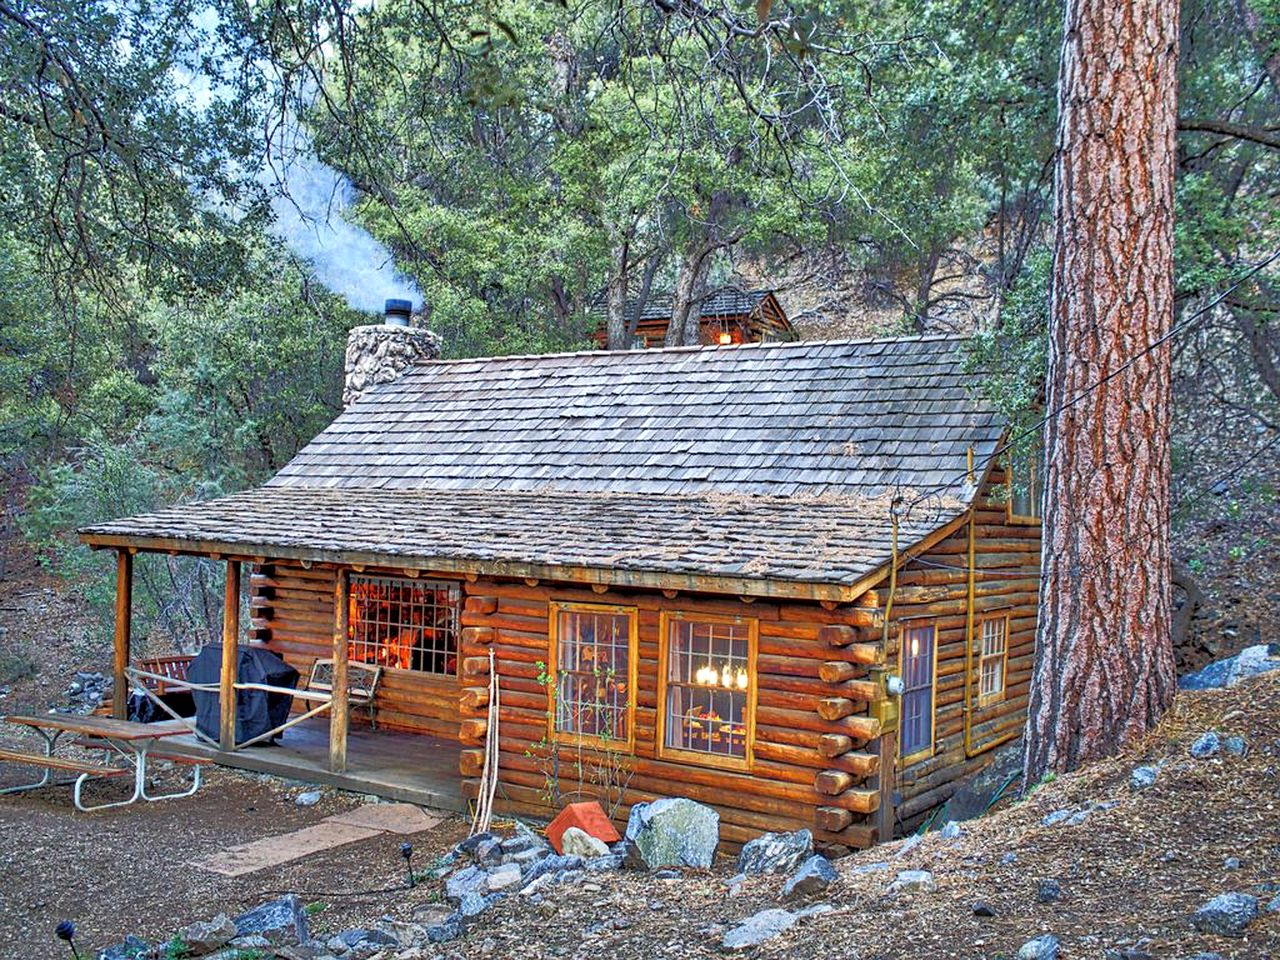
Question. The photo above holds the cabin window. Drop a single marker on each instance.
(706, 687)
(402, 623)
(593, 658)
(1026, 484)
(918, 646)
(994, 639)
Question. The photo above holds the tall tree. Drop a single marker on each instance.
(1104, 669)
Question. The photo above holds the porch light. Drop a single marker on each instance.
(726, 338)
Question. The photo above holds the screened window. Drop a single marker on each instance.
(402, 623)
(1026, 486)
(991, 658)
(708, 674)
(917, 696)
(594, 664)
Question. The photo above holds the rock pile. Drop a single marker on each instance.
(86, 691)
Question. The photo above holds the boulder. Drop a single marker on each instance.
(1049, 891)
(914, 881)
(1043, 947)
(814, 876)
(283, 916)
(981, 908)
(951, 830)
(1249, 662)
(308, 798)
(506, 875)
(550, 864)
(1236, 746)
(775, 852)
(1206, 745)
(756, 929)
(206, 936)
(467, 880)
(1142, 777)
(576, 842)
(672, 832)
(1226, 915)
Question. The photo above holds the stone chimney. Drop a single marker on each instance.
(380, 352)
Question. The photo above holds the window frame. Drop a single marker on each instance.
(451, 588)
(554, 734)
(747, 761)
(928, 750)
(1035, 489)
(1003, 656)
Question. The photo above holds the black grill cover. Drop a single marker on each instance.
(256, 710)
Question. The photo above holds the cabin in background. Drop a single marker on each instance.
(726, 317)
(787, 580)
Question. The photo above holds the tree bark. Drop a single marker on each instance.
(616, 304)
(1104, 668)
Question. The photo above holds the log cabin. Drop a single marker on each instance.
(795, 581)
(725, 318)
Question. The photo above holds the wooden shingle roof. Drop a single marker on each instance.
(777, 419)
(761, 469)
(742, 544)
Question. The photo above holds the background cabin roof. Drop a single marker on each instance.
(726, 302)
(687, 541)
(848, 418)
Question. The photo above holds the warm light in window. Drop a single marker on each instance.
(742, 678)
(915, 646)
(726, 338)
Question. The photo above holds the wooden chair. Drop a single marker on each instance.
(362, 683)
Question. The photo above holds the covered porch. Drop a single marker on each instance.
(411, 768)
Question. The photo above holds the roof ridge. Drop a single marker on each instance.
(719, 348)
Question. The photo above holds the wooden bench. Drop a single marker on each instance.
(49, 764)
(362, 683)
(173, 667)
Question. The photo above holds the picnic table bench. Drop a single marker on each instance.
(130, 743)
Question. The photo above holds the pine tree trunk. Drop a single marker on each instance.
(616, 337)
(1104, 669)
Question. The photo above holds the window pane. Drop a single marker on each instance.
(594, 670)
(708, 687)
(402, 623)
(917, 697)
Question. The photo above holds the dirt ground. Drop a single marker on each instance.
(1131, 874)
(128, 871)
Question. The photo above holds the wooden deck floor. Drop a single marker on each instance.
(398, 766)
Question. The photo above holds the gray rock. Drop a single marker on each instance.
(1249, 662)
(488, 852)
(914, 881)
(430, 914)
(1230, 863)
(552, 863)
(672, 832)
(596, 864)
(864, 868)
(1208, 956)
(775, 852)
(1206, 745)
(756, 929)
(131, 948)
(450, 929)
(1043, 947)
(983, 909)
(1235, 745)
(1079, 817)
(813, 910)
(908, 845)
(467, 848)
(206, 936)
(468, 880)
(1057, 817)
(1274, 905)
(253, 941)
(1049, 890)
(1226, 915)
(950, 831)
(1006, 859)
(576, 842)
(308, 798)
(814, 876)
(283, 916)
(1143, 777)
(506, 875)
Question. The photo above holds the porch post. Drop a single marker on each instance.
(230, 657)
(338, 713)
(124, 625)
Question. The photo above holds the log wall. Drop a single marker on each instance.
(291, 611)
(935, 588)
(811, 760)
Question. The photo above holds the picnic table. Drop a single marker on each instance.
(127, 743)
